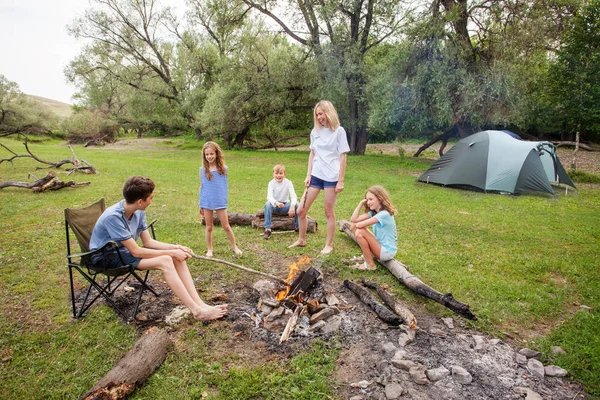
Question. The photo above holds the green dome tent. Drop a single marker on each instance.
(492, 161)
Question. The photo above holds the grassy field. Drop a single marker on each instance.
(524, 264)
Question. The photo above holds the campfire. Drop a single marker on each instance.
(302, 307)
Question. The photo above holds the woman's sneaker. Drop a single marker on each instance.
(267, 234)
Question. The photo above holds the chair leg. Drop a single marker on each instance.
(102, 291)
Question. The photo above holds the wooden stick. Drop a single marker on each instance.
(289, 327)
(402, 311)
(241, 267)
(412, 282)
(365, 296)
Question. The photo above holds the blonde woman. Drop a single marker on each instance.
(326, 169)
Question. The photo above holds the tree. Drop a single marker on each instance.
(340, 34)
(574, 77)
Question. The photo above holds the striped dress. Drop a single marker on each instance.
(213, 193)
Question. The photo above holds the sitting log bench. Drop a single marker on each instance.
(257, 221)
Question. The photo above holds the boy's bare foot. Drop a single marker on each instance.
(209, 253)
(237, 251)
(297, 243)
(209, 313)
(327, 250)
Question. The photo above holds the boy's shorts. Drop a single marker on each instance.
(320, 183)
(109, 259)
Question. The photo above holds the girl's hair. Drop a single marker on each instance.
(332, 116)
(218, 160)
(384, 198)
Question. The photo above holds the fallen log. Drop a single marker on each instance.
(400, 271)
(574, 144)
(365, 296)
(135, 367)
(402, 311)
(257, 221)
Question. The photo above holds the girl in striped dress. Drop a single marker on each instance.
(214, 194)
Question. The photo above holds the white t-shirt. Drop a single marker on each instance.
(328, 146)
(281, 192)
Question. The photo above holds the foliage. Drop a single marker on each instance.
(514, 260)
(583, 177)
(86, 125)
(19, 114)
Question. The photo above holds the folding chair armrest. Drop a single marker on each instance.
(151, 227)
(108, 244)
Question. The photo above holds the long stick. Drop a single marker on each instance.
(241, 267)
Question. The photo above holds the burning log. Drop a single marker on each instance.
(403, 312)
(135, 367)
(365, 296)
(257, 221)
(400, 271)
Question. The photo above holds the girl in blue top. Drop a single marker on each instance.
(214, 194)
(379, 213)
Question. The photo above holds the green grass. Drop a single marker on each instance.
(523, 264)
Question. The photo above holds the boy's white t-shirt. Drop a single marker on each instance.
(281, 192)
(328, 146)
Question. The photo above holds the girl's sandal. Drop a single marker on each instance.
(365, 267)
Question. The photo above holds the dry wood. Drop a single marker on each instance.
(135, 367)
(400, 271)
(291, 324)
(257, 221)
(575, 144)
(365, 296)
(279, 280)
(403, 312)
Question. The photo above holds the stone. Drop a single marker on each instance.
(403, 364)
(557, 350)
(357, 397)
(302, 326)
(404, 339)
(317, 327)
(419, 374)
(494, 342)
(176, 315)
(332, 324)
(436, 374)
(553, 370)
(536, 368)
(520, 359)
(399, 355)
(449, 322)
(383, 365)
(388, 347)
(479, 342)
(530, 353)
(361, 384)
(437, 332)
(265, 288)
(461, 375)
(394, 391)
(531, 395)
(324, 314)
(331, 299)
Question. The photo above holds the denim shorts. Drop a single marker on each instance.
(109, 258)
(320, 183)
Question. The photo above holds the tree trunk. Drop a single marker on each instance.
(135, 367)
(400, 271)
(257, 221)
(452, 132)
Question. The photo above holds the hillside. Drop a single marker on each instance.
(63, 110)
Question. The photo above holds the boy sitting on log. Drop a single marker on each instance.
(281, 199)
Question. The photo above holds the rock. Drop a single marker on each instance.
(383, 365)
(394, 391)
(277, 319)
(553, 370)
(437, 332)
(302, 326)
(361, 384)
(176, 315)
(531, 395)
(331, 299)
(324, 314)
(403, 364)
(358, 397)
(557, 350)
(332, 324)
(404, 339)
(530, 353)
(479, 342)
(436, 374)
(398, 355)
(265, 288)
(317, 327)
(536, 368)
(388, 347)
(449, 322)
(520, 359)
(494, 342)
(419, 374)
(461, 375)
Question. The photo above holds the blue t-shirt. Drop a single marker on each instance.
(213, 193)
(112, 225)
(385, 231)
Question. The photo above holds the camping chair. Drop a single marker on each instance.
(81, 222)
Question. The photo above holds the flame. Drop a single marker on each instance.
(292, 274)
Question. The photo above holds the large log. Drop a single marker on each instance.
(403, 312)
(412, 282)
(365, 296)
(257, 221)
(135, 367)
